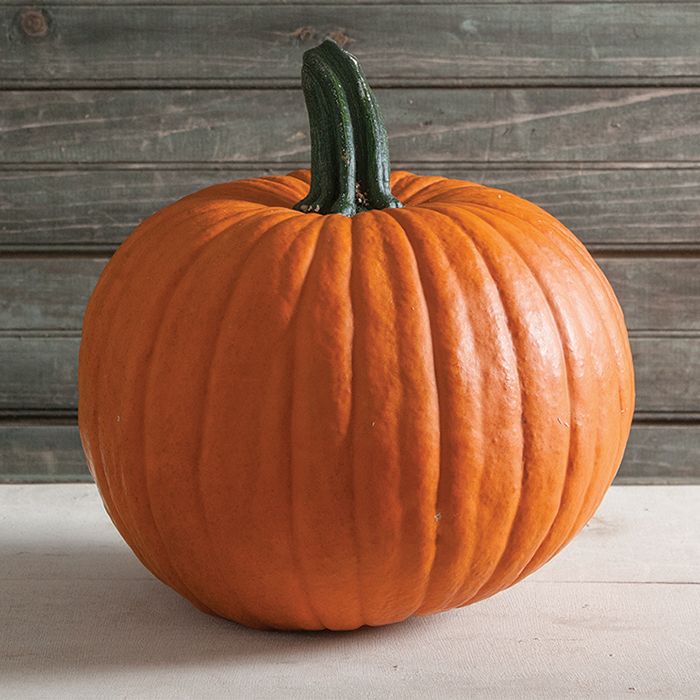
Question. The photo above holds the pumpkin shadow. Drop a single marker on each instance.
(85, 608)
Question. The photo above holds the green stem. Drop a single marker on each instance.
(349, 146)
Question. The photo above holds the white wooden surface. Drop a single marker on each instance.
(616, 615)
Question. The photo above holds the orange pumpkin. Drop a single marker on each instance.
(328, 420)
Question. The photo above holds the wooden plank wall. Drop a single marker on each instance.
(111, 110)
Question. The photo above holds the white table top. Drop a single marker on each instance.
(616, 615)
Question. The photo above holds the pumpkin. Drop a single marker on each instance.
(347, 396)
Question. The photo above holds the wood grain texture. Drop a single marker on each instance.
(667, 372)
(656, 453)
(425, 126)
(51, 293)
(316, 3)
(660, 294)
(40, 372)
(44, 452)
(661, 453)
(590, 109)
(615, 207)
(46, 294)
(238, 44)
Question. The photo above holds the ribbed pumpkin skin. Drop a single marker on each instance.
(306, 421)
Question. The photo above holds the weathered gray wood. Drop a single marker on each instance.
(656, 453)
(68, 208)
(617, 208)
(661, 453)
(315, 3)
(46, 293)
(51, 293)
(41, 452)
(424, 125)
(40, 372)
(660, 294)
(656, 208)
(396, 45)
(667, 372)
(617, 164)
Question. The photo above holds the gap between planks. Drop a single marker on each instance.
(281, 167)
(572, 82)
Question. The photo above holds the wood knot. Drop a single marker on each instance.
(304, 34)
(33, 23)
(340, 38)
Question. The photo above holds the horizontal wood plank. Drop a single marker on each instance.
(658, 294)
(655, 453)
(51, 293)
(425, 126)
(316, 3)
(98, 207)
(46, 293)
(658, 453)
(667, 372)
(248, 44)
(41, 453)
(40, 372)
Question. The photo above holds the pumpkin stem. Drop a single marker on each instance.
(349, 146)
